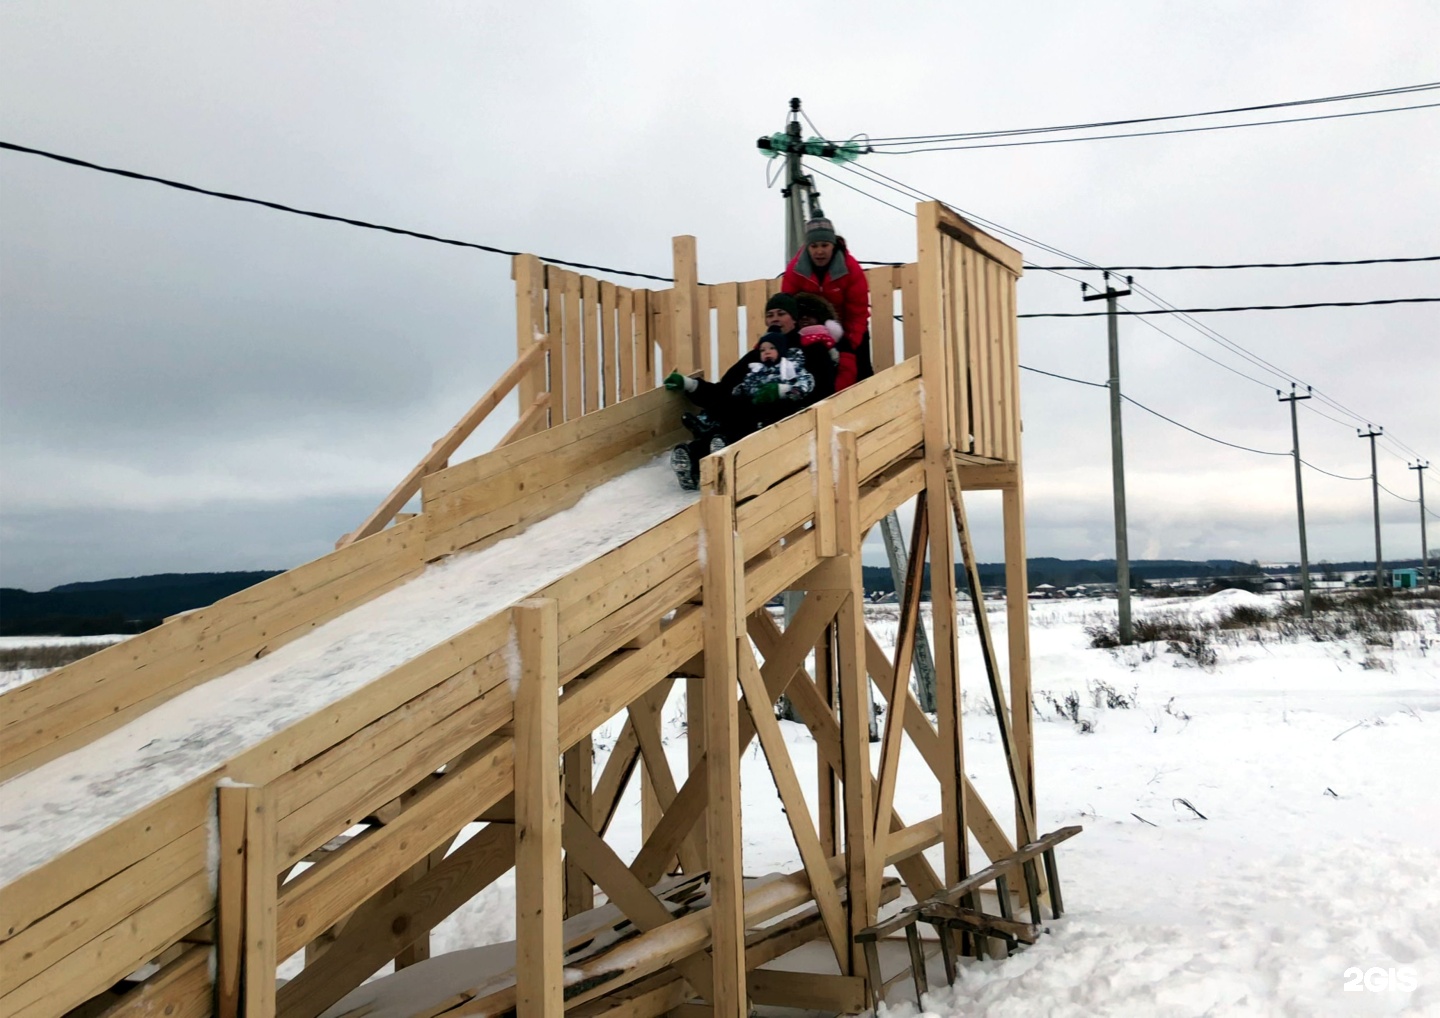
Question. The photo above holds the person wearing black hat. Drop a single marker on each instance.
(728, 417)
(824, 266)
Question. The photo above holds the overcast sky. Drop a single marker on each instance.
(191, 384)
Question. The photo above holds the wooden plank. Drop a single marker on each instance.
(815, 991)
(972, 236)
(232, 803)
(685, 309)
(366, 944)
(1017, 615)
(531, 420)
(579, 790)
(724, 604)
(645, 722)
(573, 347)
(257, 985)
(939, 420)
(615, 776)
(992, 666)
(882, 316)
(590, 359)
(50, 886)
(909, 279)
(829, 810)
(1009, 382)
(704, 334)
(762, 714)
(529, 321)
(824, 457)
(66, 930)
(539, 955)
(609, 365)
(555, 338)
(646, 342)
(97, 694)
(900, 681)
(180, 989)
(863, 870)
(753, 295)
(625, 339)
(636, 901)
(730, 342)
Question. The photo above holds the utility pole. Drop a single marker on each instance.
(1373, 434)
(1117, 455)
(1420, 467)
(1293, 399)
(794, 184)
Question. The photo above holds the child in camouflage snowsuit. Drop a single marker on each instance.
(778, 383)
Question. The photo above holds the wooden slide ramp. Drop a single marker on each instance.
(432, 733)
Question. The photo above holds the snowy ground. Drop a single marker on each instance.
(1312, 886)
(1317, 861)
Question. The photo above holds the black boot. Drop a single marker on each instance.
(686, 470)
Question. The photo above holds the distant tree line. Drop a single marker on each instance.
(130, 605)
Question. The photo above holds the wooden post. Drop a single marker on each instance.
(529, 322)
(724, 606)
(935, 359)
(579, 788)
(862, 870)
(685, 309)
(230, 900)
(539, 946)
(246, 902)
(830, 812)
(1017, 619)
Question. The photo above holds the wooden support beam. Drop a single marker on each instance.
(830, 811)
(636, 901)
(245, 902)
(539, 951)
(684, 352)
(1017, 626)
(797, 813)
(898, 698)
(579, 790)
(724, 591)
(937, 357)
(992, 665)
(863, 870)
(645, 720)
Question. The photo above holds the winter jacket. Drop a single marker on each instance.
(843, 285)
(789, 373)
(842, 355)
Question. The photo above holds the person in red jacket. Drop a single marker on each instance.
(825, 266)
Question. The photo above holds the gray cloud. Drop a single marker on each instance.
(186, 383)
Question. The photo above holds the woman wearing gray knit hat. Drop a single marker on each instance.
(824, 266)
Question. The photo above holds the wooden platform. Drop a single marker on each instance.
(199, 891)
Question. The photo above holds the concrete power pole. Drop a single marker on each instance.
(1293, 399)
(1117, 456)
(1420, 467)
(1373, 434)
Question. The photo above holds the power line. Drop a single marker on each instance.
(1149, 134)
(956, 136)
(179, 185)
(1212, 438)
(867, 194)
(914, 193)
(1246, 265)
(1338, 477)
(1402, 498)
(1252, 307)
(1063, 378)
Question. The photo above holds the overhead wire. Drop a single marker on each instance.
(311, 214)
(1346, 97)
(1245, 265)
(1143, 134)
(885, 180)
(1248, 307)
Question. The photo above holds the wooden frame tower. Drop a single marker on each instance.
(340, 834)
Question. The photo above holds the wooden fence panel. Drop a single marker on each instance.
(730, 342)
(574, 338)
(882, 316)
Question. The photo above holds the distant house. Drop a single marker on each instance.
(1404, 579)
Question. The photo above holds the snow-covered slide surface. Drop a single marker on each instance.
(60, 804)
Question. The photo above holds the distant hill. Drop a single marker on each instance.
(128, 605)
